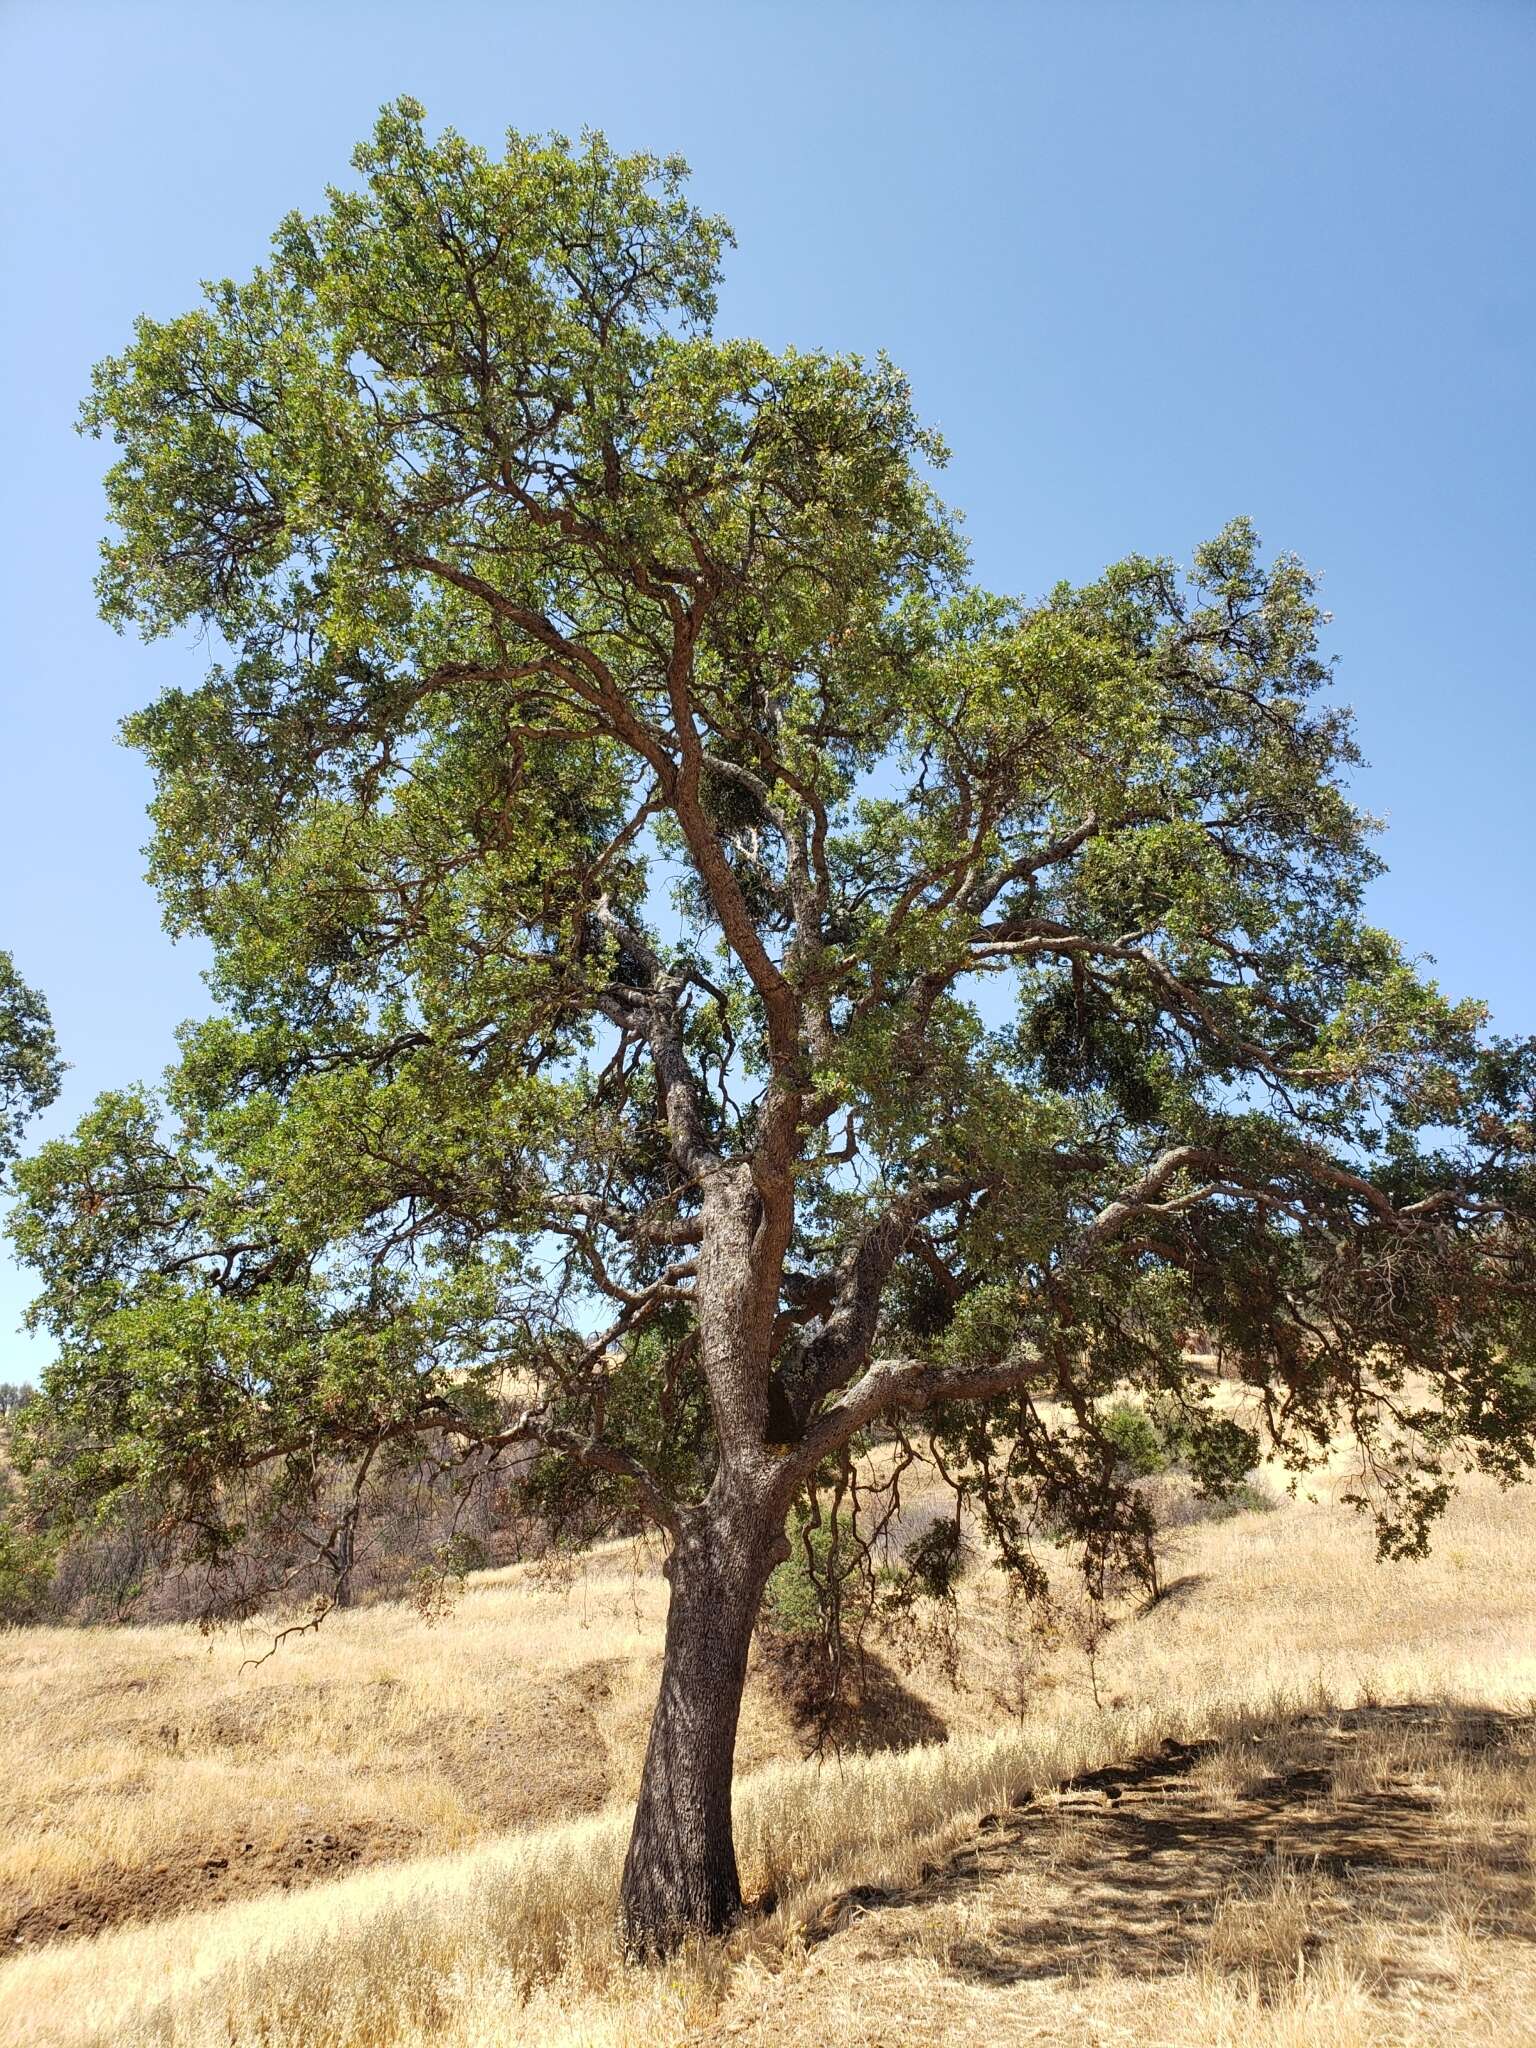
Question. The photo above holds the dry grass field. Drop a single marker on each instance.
(1293, 1805)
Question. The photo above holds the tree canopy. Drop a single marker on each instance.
(697, 978)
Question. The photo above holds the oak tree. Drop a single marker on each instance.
(697, 981)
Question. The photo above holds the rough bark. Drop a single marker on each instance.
(680, 1876)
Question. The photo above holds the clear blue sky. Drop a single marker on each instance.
(1147, 266)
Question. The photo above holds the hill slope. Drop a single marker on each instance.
(443, 1755)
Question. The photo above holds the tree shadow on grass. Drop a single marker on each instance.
(860, 1706)
(1130, 1869)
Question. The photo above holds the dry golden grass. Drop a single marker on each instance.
(1333, 1881)
(125, 1750)
(494, 1923)
(149, 1770)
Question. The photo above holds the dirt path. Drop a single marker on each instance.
(1382, 1857)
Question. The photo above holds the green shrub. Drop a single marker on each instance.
(1139, 1442)
(1212, 1451)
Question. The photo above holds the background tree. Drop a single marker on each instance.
(697, 981)
(30, 1071)
(30, 1068)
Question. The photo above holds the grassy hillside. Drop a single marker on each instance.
(404, 1832)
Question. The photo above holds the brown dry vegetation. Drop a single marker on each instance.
(1333, 1878)
(1319, 1876)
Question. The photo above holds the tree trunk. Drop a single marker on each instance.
(680, 1875)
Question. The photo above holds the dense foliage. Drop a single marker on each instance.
(30, 1068)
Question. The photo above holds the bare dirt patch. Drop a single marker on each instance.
(201, 1874)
